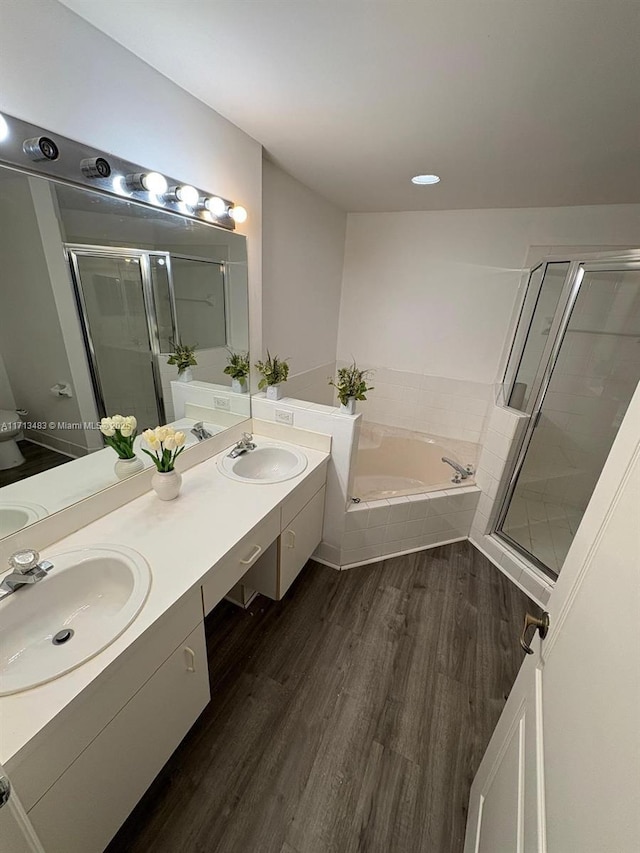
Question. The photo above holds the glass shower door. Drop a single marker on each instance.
(595, 372)
(116, 318)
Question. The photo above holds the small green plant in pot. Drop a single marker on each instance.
(274, 371)
(184, 357)
(351, 385)
(238, 369)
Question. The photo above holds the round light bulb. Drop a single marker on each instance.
(238, 213)
(4, 128)
(155, 183)
(423, 180)
(188, 194)
(215, 205)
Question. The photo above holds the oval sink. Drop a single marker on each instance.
(268, 463)
(15, 516)
(90, 596)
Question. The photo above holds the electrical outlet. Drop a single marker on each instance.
(284, 417)
(223, 403)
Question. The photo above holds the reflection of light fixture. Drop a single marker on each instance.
(423, 180)
(4, 128)
(161, 261)
(151, 182)
(238, 213)
(185, 193)
(215, 205)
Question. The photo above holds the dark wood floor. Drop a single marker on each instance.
(351, 716)
(37, 459)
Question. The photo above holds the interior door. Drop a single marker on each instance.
(17, 835)
(562, 771)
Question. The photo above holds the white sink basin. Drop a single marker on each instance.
(268, 463)
(95, 593)
(15, 516)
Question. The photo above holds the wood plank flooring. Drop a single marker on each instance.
(37, 459)
(351, 716)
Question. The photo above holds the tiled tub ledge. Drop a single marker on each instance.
(395, 526)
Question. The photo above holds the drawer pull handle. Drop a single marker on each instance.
(257, 551)
(190, 656)
(292, 539)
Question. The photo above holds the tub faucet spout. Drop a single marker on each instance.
(460, 472)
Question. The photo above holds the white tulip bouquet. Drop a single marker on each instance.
(166, 444)
(120, 432)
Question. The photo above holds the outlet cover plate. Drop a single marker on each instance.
(284, 417)
(223, 403)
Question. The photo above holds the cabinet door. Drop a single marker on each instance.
(299, 540)
(90, 801)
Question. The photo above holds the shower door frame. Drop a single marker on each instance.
(600, 262)
(76, 250)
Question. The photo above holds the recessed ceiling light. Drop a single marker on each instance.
(425, 179)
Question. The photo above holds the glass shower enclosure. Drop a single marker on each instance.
(574, 366)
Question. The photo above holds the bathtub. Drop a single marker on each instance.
(392, 462)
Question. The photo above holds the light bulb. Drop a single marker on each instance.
(4, 128)
(423, 180)
(238, 213)
(215, 205)
(188, 194)
(154, 182)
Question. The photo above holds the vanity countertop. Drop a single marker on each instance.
(181, 540)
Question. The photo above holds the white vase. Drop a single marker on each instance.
(166, 484)
(239, 386)
(185, 375)
(349, 408)
(128, 467)
(274, 392)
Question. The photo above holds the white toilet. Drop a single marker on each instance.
(10, 456)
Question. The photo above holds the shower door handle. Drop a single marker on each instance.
(541, 625)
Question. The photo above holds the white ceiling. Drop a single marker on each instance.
(514, 103)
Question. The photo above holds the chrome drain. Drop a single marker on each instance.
(63, 637)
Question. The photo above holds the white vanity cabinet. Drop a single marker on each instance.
(85, 806)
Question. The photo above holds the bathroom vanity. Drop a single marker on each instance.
(82, 749)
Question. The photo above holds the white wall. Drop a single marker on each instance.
(303, 251)
(60, 72)
(7, 400)
(433, 292)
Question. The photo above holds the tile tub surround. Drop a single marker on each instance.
(505, 426)
(453, 408)
(385, 528)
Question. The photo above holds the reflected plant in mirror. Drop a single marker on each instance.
(184, 357)
(238, 368)
(120, 434)
(100, 286)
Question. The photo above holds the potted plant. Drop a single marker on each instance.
(165, 446)
(184, 357)
(351, 385)
(274, 371)
(120, 433)
(238, 369)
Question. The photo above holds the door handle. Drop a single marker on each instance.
(292, 539)
(257, 550)
(190, 657)
(541, 625)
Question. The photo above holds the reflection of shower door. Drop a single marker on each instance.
(119, 325)
(584, 389)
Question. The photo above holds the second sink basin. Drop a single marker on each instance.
(90, 596)
(268, 463)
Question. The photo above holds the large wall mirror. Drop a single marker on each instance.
(94, 292)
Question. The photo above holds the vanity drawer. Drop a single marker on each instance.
(89, 803)
(226, 574)
(303, 494)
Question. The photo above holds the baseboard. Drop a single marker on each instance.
(400, 553)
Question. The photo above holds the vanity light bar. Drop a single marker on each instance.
(65, 159)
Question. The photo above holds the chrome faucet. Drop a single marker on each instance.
(198, 429)
(245, 443)
(27, 569)
(460, 472)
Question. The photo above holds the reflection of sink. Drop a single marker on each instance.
(95, 592)
(269, 463)
(15, 516)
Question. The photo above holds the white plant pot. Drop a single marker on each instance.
(239, 386)
(274, 392)
(185, 375)
(166, 484)
(128, 467)
(349, 408)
